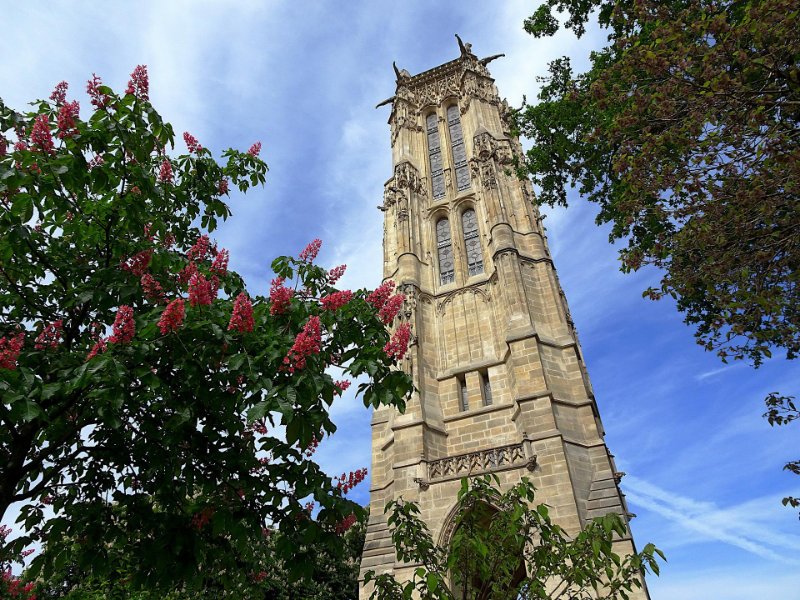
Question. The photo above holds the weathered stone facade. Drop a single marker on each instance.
(495, 355)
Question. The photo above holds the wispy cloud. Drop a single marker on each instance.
(738, 525)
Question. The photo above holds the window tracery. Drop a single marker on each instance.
(445, 251)
(459, 152)
(472, 243)
(435, 156)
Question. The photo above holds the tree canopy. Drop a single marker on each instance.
(156, 416)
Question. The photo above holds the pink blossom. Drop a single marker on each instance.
(279, 297)
(336, 299)
(50, 336)
(152, 289)
(40, 135)
(3, 146)
(347, 482)
(191, 143)
(381, 294)
(307, 342)
(242, 317)
(124, 328)
(335, 274)
(310, 252)
(341, 385)
(98, 348)
(66, 119)
(389, 310)
(59, 94)
(254, 149)
(398, 346)
(139, 85)
(165, 173)
(346, 523)
(172, 317)
(220, 263)
(10, 349)
(96, 161)
(312, 447)
(222, 187)
(200, 249)
(138, 263)
(99, 99)
(201, 290)
(186, 274)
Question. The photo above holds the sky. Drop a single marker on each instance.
(703, 468)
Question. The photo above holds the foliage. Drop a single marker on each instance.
(504, 547)
(780, 411)
(333, 576)
(142, 386)
(685, 132)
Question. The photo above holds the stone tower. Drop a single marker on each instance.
(502, 383)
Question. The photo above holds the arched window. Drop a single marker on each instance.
(469, 224)
(443, 242)
(457, 146)
(435, 156)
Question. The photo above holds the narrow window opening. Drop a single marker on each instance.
(445, 250)
(435, 156)
(487, 389)
(472, 242)
(462, 391)
(457, 147)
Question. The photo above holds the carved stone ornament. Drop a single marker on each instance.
(406, 176)
(481, 461)
(484, 145)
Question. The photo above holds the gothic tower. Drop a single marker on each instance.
(495, 356)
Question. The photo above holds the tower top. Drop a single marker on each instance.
(467, 61)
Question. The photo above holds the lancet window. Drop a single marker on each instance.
(435, 156)
(457, 147)
(487, 389)
(445, 247)
(472, 243)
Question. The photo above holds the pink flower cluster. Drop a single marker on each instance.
(50, 336)
(10, 347)
(255, 149)
(341, 386)
(279, 297)
(152, 289)
(12, 586)
(187, 273)
(219, 266)
(336, 299)
(202, 291)
(99, 99)
(202, 518)
(307, 342)
(346, 523)
(66, 119)
(347, 482)
(312, 447)
(200, 249)
(139, 84)
(124, 328)
(40, 135)
(398, 346)
(96, 162)
(242, 317)
(59, 94)
(165, 173)
(222, 187)
(172, 317)
(99, 347)
(191, 143)
(310, 252)
(138, 263)
(381, 294)
(389, 310)
(335, 274)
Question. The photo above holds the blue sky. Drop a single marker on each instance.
(704, 469)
